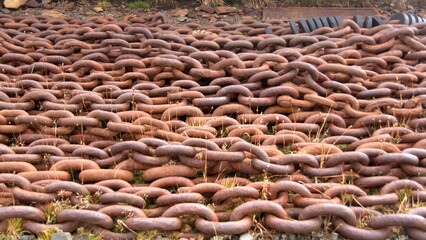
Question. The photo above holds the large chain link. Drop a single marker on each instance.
(139, 123)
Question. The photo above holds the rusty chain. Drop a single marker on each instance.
(140, 123)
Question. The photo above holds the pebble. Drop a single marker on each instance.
(181, 19)
(334, 236)
(246, 236)
(61, 236)
(292, 237)
(27, 237)
(5, 10)
(207, 9)
(33, 4)
(98, 9)
(81, 238)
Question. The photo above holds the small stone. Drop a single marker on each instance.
(292, 237)
(81, 238)
(192, 15)
(61, 236)
(277, 237)
(206, 9)
(181, 19)
(98, 9)
(180, 13)
(53, 14)
(14, 3)
(183, 239)
(213, 19)
(33, 4)
(27, 237)
(224, 9)
(80, 230)
(246, 17)
(251, 12)
(5, 10)
(334, 236)
(246, 236)
(228, 19)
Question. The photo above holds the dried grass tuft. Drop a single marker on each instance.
(256, 4)
(164, 3)
(212, 3)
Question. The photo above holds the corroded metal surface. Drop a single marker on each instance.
(130, 126)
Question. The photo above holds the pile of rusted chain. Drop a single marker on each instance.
(139, 125)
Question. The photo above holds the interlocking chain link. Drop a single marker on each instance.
(130, 126)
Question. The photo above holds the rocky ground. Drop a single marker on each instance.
(182, 11)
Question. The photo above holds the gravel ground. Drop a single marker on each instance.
(184, 11)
